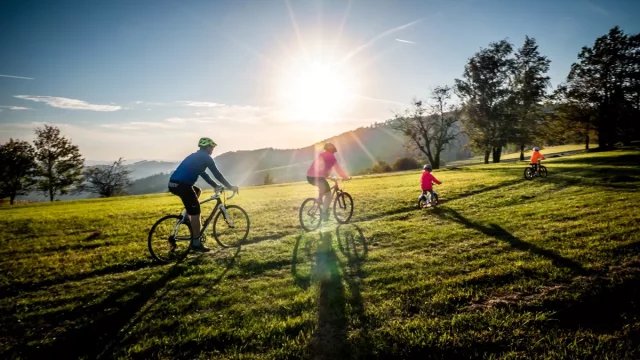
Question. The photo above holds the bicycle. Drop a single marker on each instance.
(172, 234)
(427, 199)
(310, 208)
(530, 172)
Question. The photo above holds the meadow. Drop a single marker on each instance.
(502, 268)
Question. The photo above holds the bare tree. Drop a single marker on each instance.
(430, 127)
(107, 181)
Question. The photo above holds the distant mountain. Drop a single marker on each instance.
(357, 150)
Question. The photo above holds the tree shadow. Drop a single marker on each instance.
(101, 322)
(497, 232)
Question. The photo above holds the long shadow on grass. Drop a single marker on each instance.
(103, 321)
(330, 339)
(499, 233)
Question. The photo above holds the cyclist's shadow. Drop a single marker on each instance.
(331, 272)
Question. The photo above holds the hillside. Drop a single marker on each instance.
(503, 268)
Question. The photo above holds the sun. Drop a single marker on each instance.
(316, 92)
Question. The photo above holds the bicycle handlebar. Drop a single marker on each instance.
(335, 179)
(217, 191)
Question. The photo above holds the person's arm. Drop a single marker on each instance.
(542, 157)
(218, 175)
(436, 180)
(341, 172)
(208, 179)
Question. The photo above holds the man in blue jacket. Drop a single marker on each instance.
(181, 183)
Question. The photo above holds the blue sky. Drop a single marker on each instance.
(146, 79)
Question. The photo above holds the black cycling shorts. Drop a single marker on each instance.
(320, 182)
(188, 194)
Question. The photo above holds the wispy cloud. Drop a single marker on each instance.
(15, 107)
(378, 37)
(140, 102)
(65, 103)
(204, 104)
(16, 77)
(381, 100)
(598, 9)
(406, 41)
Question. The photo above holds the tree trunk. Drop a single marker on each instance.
(486, 156)
(497, 151)
(12, 199)
(586, 142)
(51, 194)
(521, 152)
(436, 161)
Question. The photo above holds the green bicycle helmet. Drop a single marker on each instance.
(205, 141)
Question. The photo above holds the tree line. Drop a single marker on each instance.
(505, 98)
(54, 166)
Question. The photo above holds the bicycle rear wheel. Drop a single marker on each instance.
(170, 239)
(343, 207)
(310, 214)
(528, 173)
(232, 231)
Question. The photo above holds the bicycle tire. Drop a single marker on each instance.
(156, 250)
(242, 215)
(317, 217)
(347, 200)
(543, 172)
(528, 173)
(421, 202)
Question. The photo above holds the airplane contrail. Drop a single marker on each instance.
(405, 41)
(16, 77)
(376, 38)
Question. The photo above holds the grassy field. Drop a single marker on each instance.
(504, 268)
(527, 154)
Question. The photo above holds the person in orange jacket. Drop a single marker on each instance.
(536, 157)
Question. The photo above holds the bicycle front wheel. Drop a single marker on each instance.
(231, 230)
(543, 172)
(310, 215)
(343, 208)
(170, 239)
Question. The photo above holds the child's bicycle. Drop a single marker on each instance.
(530, 172)
(311, 214)
(170, 237)
(428, 199)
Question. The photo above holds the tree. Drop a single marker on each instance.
(430, 129)
(529, 90)
(17, 169)
(106, 181)
(405, 163)
(59, 163)
(605, 82)
(381, 167)
(487, 99)
(268, 179)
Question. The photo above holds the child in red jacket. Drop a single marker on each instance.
(427, 185)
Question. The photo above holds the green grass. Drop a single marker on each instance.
(516, 155)
(504, 268)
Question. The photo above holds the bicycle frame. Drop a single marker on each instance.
(219, 205)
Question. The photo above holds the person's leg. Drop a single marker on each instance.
(196, 220)
(325, 190)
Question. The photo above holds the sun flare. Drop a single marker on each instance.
(317, 92)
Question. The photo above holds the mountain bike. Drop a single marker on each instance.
(310, 212)
(530, 172)
(170, 237)
(427, 199)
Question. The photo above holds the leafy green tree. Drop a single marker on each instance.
(430, 127)
(268, 179)
(485, 91)
(405, 163)
(59, 163)
(106, 181)
(606, 83)
(17, 169)
(529, 90)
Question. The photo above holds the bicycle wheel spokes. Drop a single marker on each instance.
(528, 173)
(310, 217)
(343, 208)
(231, 230)
(169, 239)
